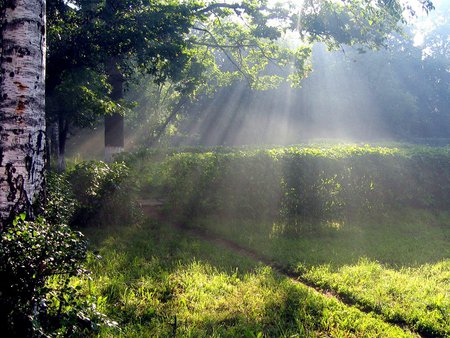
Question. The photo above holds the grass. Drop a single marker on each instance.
(398, 267)
(418, 296)
(405, 238)
(156, 281)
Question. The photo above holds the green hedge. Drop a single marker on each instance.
(92, 193)
(301, 186)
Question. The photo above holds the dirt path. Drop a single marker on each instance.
(152, 209)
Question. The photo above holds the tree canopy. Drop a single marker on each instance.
(196, 45)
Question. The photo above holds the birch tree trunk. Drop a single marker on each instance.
(22, 103)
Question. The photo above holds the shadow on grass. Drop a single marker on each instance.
(157, 281)
(408, 238)
(410, 285)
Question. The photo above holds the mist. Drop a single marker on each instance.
(349, 96)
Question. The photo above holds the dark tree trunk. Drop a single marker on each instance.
(114, 124)
(63, 129)
(53, 136)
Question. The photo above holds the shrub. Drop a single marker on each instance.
(61, 200)
(104, 192)
(31, 253)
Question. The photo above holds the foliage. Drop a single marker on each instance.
(195, 45)
(32, 253)
(303, 186)
(354, 22)
(81, 97)
(38, 259)
(104, 193)
(61, 200)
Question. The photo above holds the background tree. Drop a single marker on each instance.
(79, 101)
(115, 38)
(22, 119)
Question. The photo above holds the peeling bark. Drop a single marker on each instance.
(22, 103)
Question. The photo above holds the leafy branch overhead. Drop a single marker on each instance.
(235, 39)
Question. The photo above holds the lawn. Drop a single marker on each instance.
(154, 280)
(398, 267)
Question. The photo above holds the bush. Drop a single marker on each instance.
(61, 201)
(31, 253)
(104, 193)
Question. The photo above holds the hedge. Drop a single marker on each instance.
(301, 185)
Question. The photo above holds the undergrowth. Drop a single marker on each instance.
(301, 187)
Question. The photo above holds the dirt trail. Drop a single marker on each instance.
(152, 209)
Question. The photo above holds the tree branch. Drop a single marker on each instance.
(229, 57)
(162, 128)
(166, 94)
(220, 5)
(224, 46)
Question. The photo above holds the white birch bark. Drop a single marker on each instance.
(22, 103)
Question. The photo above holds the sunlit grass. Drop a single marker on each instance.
(392, 261)
(157, 282)
(418, 296)
(397, 266)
